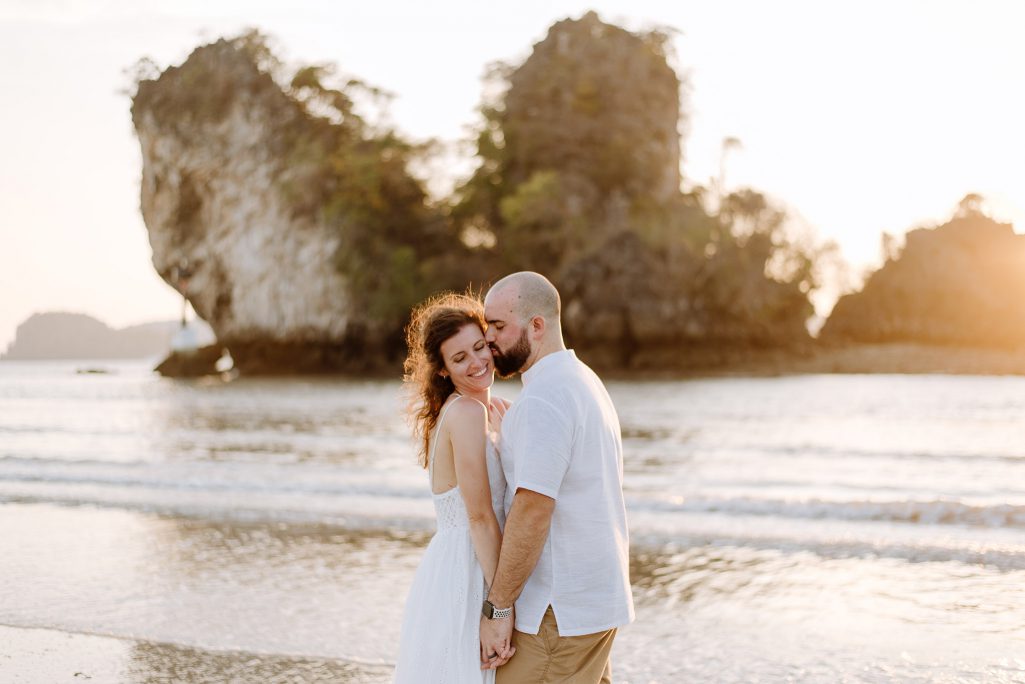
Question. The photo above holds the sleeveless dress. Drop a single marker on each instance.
(440, 642)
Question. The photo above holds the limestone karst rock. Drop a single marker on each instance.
(290, 226)
(962, 283)
(580, 179)
(294, 229)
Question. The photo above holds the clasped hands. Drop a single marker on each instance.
(495, 642)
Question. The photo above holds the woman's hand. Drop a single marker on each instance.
(496, 412)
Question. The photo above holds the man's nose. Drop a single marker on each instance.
(489, 335)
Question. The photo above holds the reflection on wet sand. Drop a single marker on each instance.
(701, 572)
(153, 663)
(277, 602)
(797, 586)
(247, 551)
(304, 590)
(32, 655)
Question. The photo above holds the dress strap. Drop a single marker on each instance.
(437, 433)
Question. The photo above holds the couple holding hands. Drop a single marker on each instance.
(527, 576)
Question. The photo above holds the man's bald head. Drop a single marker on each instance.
(522, 312)
(529, 294)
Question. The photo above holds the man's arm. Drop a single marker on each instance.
(526, 532)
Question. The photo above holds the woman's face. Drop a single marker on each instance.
(468, 359)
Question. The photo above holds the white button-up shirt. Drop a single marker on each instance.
(561, 438)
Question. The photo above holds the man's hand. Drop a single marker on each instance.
(495, 642)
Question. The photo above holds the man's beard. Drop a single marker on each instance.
(508, 363)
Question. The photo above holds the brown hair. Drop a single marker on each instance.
(432, 322)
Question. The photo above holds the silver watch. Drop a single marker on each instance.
(489, 611)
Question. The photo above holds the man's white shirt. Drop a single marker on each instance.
(561, 438)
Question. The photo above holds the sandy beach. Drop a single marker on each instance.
(36, 655)
(818, 528)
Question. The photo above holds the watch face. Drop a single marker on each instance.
(488, 609)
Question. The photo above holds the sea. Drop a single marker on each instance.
(803, 528)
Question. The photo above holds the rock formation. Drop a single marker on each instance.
(275, 211)
(962, 283)
(295, 230)
(580, 179)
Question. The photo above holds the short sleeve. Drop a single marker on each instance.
(543, 444)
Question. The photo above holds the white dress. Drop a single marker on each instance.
(440, 642)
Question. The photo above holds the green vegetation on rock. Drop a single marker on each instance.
(579, 178)
(233, 105)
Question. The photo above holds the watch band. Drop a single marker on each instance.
(489, 611)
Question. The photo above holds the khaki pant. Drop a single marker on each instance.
(547, 658)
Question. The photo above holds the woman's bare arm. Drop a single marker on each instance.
(468, 438)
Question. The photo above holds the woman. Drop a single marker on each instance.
(449, 373)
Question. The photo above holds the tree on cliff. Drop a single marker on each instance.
(580, 136)
(579, 178)
(961, 283)
(306, 240)
(305, 237)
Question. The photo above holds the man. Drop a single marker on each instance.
(564, 561)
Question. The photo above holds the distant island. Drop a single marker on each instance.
(62, 335)
(957, 284)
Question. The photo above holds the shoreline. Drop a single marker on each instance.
(735, 615)
(711, 362)
(860, 359)
(35, 654)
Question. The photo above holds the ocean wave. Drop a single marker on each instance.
(210, 477)
(818, 451)
(928, 512)
(650, 533)
(338, 482)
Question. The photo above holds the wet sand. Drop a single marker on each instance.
(94, 595)
(34, 655)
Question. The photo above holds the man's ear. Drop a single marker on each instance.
(537, 326)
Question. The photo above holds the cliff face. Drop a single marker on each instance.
(959, 284)
(240, 195)
(213, 165)
(295, 230)
(580, 179)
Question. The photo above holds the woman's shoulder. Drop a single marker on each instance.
(467, 409)
(466, 418)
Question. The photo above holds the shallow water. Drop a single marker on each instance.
(806, 528)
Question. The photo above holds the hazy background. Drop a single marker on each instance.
(861, 118)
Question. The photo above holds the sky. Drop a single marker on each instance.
(859, 117)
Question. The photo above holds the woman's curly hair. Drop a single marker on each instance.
(432, 322)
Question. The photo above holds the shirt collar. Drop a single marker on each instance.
(548, 361)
